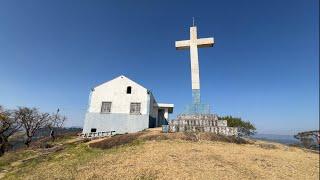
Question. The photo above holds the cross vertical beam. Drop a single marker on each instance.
(193, 44)
(194, 59)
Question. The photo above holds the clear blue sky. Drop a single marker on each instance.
(264, 66)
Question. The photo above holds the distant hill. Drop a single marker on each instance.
(46, 131)
(284, 139)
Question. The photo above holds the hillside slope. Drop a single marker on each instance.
(156, 156)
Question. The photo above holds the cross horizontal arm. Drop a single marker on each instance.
(205, 42)
(185, 44)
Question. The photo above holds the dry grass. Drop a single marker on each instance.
(118, 140)
(167, 156)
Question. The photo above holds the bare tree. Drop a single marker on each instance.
(8, 126)
(56, 122)
(32, 120)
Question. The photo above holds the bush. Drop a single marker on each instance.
(245, 128)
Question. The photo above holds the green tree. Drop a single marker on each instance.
(309, 139)
(245, 128)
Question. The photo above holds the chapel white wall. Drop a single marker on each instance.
(115, 91)
(120, 123)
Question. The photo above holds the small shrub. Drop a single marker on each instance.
(245, 128)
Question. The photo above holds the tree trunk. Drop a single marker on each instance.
(52, 134)
(28, 141)
(3, 145)
(2, 149)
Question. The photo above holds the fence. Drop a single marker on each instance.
(97, 134)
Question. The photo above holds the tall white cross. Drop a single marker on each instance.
(193, 45)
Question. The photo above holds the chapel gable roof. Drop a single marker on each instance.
(118, 79)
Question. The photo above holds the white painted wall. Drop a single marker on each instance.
(120, 123)
(115, 91)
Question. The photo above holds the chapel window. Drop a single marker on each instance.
(129, 90)
(106, 107)
(135, 108)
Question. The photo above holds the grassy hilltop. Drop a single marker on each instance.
(153, 155)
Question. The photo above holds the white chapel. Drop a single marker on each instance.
(123, 106)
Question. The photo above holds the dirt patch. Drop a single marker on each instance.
(2, 175)
(268, 146)
(116, 141)
(51, 149)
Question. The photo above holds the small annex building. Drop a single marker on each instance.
(123, 106)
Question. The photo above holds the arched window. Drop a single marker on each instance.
(129, 90)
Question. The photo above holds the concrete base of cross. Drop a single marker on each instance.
(202, 123)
